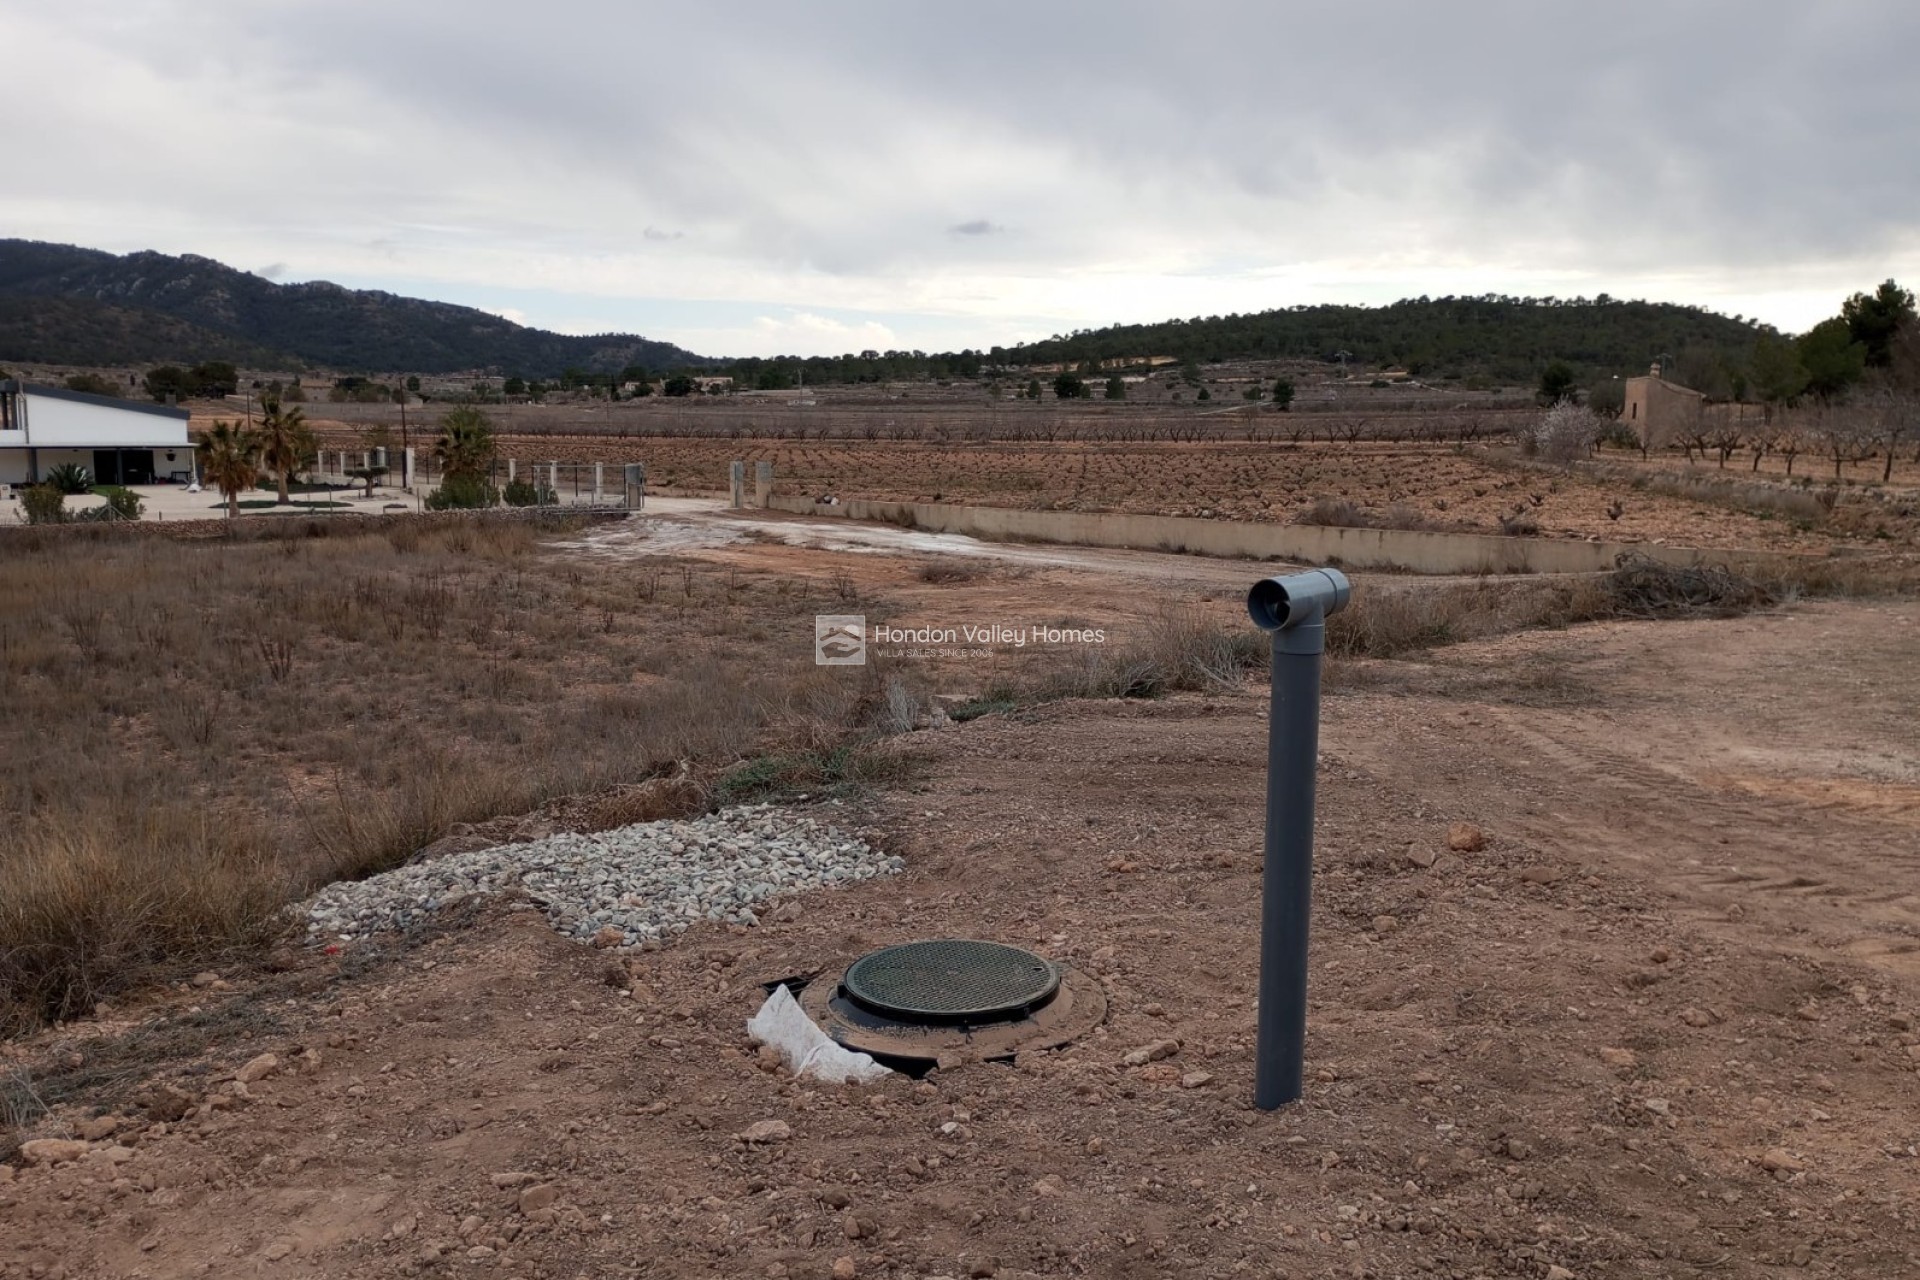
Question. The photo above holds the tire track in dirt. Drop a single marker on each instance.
(1679, 831)
(1823, 862)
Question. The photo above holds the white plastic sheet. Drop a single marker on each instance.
(807, 1049)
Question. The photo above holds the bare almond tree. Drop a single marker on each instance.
(1902, 411)
(1881, 422)
(1841, 433)
(1788, 440)
(1725, 439)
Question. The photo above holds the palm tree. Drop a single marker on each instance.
(465, 446)
(230, 458)
(286, 443)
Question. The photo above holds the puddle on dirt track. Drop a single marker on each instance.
(665, 535)
(696, 525)
(640, 536)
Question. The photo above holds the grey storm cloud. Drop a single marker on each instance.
(1757, 146)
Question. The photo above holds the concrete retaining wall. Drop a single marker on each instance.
(1396, 549)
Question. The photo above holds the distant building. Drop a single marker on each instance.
(119, 441)
(1664, 413)
(1660, 412)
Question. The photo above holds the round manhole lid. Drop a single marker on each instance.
(951, 981)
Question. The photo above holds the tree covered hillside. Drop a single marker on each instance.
(1508, 340)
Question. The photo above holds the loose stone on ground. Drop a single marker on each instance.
(624, 887)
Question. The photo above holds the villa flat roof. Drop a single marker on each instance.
(16, 386)
(81, 444)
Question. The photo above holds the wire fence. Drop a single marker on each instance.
(410, 479)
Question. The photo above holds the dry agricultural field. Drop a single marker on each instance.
(1448, 470)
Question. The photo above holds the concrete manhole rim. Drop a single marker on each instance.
(1079, 1004)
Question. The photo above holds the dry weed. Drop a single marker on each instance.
(198, 730)
(85, 911)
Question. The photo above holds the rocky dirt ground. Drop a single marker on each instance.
(1652, 1017)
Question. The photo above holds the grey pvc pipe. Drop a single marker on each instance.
(1294, 610)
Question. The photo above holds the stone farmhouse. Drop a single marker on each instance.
(1662, 413)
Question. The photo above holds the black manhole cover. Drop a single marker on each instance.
(951, 981)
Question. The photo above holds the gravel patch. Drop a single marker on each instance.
(649, 881)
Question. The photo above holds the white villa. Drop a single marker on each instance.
(120, 441)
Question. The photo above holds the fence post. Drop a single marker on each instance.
(406, 470)
(737, 484)
(597, 472)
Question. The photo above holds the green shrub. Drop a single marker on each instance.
(460, 492)
(93, 384)
(70, 478)
(44, 504)
(847, 768)
(524, 493)
(1618, 435)
(122, 504)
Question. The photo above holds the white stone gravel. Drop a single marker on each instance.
(649, 881)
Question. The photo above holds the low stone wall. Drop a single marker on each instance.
(285, 526)
(1388, 549)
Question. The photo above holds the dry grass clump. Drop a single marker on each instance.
(1753, 497)
(1519, 524)
(1182, 651)
(1340, 513)
(1843, 576)
(948, 569)
(1801, 501)
(1192, 652)
(197, 731)
(83, 905)
(1393, 621)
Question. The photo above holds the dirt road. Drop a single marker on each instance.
(676, 526)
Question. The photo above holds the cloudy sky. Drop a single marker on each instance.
(761, 178)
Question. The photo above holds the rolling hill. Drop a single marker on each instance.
(1505, 339)
(1509, 338)
(64, 304)
(60, 304)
